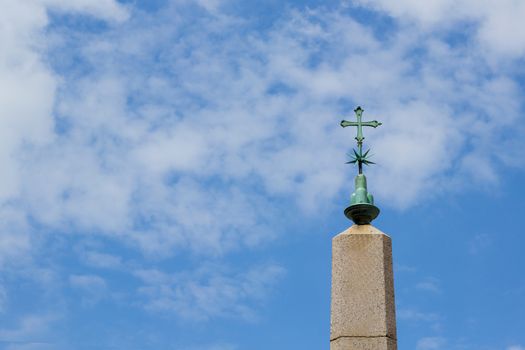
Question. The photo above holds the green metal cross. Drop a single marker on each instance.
(358, 113)
(360, 158)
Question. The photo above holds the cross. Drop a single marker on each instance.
(360, 158)
(358, 113)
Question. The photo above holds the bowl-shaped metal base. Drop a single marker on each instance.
(362, 214)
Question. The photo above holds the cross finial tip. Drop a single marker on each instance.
(358, 109)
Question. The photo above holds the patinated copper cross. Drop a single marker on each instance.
(358, 113)
(358, 157)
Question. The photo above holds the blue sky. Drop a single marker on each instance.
(173, 170)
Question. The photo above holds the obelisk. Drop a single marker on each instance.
(362, 306)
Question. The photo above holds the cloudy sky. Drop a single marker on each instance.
(172, 171)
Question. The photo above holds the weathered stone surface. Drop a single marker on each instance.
(357, 343)
(363, 308)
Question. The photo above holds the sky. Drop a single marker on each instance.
(173, 171)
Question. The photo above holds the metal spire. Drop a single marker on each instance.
(362, 209)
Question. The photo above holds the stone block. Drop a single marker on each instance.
(362, 305)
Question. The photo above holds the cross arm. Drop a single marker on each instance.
(345, 123)
(373, 123)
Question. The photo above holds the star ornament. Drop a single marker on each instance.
(359, 158)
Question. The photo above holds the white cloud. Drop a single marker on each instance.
(429, 284)
(87, 282)
(27, 98)
(101, 260)
(428, 11)
(105, 9)
(207, 293)
(415, 315)
(26, 89)
(3, 299)
(92, 288)
(30, 329)
(515, 347)
(479, 243)
(15, 239)
(497, 24)
(431, 343)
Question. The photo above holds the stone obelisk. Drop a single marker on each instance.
(362, 307)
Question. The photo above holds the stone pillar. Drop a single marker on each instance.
(363, 309)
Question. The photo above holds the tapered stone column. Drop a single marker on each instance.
(363, 308)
